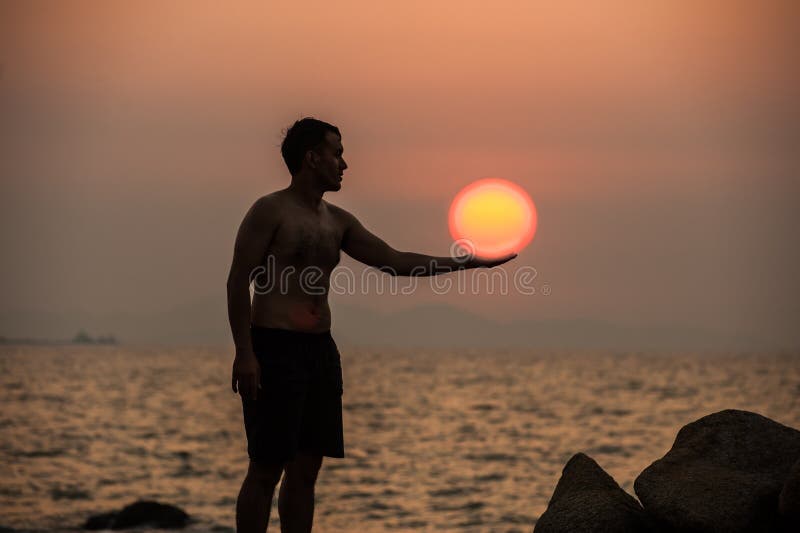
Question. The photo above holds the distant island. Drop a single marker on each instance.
(80, 338)
(84, 338)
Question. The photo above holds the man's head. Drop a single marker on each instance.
(315, 146)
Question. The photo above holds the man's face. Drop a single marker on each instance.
(330, 163)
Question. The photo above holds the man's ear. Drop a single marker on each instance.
(312, 158)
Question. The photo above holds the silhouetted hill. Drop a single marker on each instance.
(442, 326)
(205, 323)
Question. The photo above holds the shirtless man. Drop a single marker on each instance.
(287, 368)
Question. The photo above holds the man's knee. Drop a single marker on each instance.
(267, 473)
(303, 469)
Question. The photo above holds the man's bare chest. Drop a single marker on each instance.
(307, 243)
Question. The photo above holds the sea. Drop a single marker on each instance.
(435, 440)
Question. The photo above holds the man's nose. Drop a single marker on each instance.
(344, 165)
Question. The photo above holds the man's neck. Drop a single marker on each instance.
(305, 194)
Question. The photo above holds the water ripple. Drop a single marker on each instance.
(436, 440)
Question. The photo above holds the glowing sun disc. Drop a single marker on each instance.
(497, 217)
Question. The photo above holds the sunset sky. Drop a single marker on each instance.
(658, 141)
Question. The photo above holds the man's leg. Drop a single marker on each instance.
(255, 497)
(296, 498)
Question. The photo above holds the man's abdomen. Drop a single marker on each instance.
(296, 312)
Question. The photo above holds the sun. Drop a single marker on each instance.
(494, 216)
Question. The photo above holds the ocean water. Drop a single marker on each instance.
(459, 440)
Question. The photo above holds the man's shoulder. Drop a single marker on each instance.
(341, 214)
(272, 199)
(271, 202)
(266, 209)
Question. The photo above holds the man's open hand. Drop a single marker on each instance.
(246, 374)
(477, 262)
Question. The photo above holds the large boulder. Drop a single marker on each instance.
(724, 473)
(588, 500)
(140, 513)
(789, 500)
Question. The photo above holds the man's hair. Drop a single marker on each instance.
(304, 135)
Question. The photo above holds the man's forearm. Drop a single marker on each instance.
(413, 264)
(239, 316)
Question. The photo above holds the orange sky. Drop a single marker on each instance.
(654, 137)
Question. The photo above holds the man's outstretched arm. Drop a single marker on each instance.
(360, 244)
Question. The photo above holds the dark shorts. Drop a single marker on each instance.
(299, 405)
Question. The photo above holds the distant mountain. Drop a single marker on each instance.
(443, 326)
(205, 323)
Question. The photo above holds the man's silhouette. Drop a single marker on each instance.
(287, 367)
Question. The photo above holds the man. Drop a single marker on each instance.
(287, 367)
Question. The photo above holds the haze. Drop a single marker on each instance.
(658, 140)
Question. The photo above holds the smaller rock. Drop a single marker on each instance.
(588, 500)
(151, 513)
(100, 521)
(141, 513)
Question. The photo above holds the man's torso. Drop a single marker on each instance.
(291, 289)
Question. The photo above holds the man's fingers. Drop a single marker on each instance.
(248, 385)
(490, 263)
(506, 259)
(244, 389)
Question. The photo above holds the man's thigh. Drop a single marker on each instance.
(268, 473)
(273, 421)
(304, 468)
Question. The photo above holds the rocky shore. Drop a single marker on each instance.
(731, 471)
(727, 472)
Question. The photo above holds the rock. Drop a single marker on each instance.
(141, 513)
(152, 513)
(724, 472)
(587, 500)
(789, 499)
(100, 521)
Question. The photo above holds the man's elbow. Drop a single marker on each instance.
(387, 269)
(393, 264)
